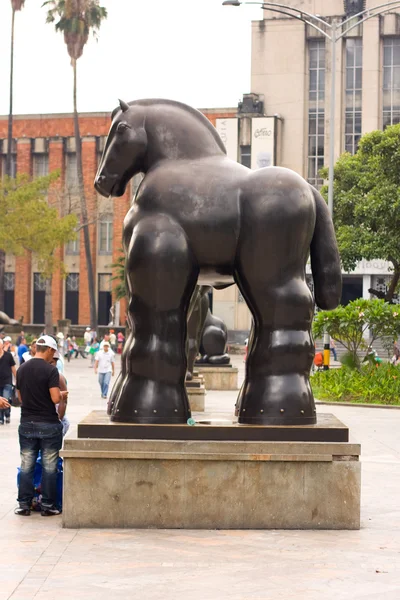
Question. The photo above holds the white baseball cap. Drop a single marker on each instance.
(47, 340)
(87, 328)
(7, 339)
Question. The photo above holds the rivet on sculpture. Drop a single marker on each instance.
(199, 217)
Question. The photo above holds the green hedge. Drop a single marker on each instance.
(371, 385)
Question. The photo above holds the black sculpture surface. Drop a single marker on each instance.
(197, 317)
(199, 217)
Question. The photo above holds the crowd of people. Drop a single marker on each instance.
(40, 388)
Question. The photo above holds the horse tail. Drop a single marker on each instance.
(325, 259)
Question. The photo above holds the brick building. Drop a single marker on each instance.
(42, 144)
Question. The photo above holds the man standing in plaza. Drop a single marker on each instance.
(7, 371)
(104, 365)
(38, 385)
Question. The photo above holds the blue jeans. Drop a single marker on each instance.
(104, 381)
(46, 437)
(5, 392)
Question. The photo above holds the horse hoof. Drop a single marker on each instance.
(278, 400)
(144, 401)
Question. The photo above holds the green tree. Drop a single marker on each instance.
(76, 19)
(348, 324)
(367, 203)
(28, 223)
(16, 5)
(119, 276)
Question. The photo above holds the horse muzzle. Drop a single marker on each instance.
(105, 184)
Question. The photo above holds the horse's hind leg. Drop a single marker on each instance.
(162, 275)
(270, 274)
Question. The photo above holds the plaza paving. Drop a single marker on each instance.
(42, 560)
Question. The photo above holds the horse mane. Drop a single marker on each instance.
(193, 111)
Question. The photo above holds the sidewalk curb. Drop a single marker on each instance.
(356, 404)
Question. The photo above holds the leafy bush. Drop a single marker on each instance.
(348, 324)
(371, 384)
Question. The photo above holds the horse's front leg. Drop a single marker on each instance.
(162, 274)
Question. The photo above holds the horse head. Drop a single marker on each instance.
(125, 150)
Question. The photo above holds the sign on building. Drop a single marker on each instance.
(229, 133)
(262, 142)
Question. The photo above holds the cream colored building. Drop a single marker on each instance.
(291, 77)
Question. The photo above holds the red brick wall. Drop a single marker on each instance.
(56, 162)
(23, 264)
(89, 160)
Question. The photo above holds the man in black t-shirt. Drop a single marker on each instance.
(38, 386)
(7, 370)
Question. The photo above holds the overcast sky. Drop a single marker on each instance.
(195, 52)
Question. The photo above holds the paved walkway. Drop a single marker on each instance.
(41, 560)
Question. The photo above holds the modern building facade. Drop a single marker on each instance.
(291, 72)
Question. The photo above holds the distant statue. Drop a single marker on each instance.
(214, 340)
(6, 320)
(207, 334)
(200, 218)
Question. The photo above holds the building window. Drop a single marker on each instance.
(316, 111)
(72, 282)
(245, 156)
(353, 94)
(105, 234)
(9, 282)
(73, 246)
(9, 293)
(391, 81)
(40, 164)
(3, 162)
(71, 174)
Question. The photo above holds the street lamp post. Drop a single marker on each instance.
(333, 32)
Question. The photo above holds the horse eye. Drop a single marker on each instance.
(122, 127)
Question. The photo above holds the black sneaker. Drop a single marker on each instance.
(50, 512)
(22, 512)
(7, 419)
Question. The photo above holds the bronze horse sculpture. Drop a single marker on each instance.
(200, 218)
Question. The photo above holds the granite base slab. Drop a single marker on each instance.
(327, 429)
(210, 484)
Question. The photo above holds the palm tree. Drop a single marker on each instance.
(76, 19)
(15, 5)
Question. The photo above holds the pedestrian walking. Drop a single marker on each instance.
(87, 336)
(40, 430)
(22, 348)
(121, 342)
(332, 348)
(94, 348)
(104, 365)
(7, 371)
(113, 340)
(31, 352)
(20, 338)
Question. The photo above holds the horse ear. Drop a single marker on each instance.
(124, 106)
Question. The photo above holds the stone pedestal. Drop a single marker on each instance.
(197, 395)
(194, 483)
(224, 377)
